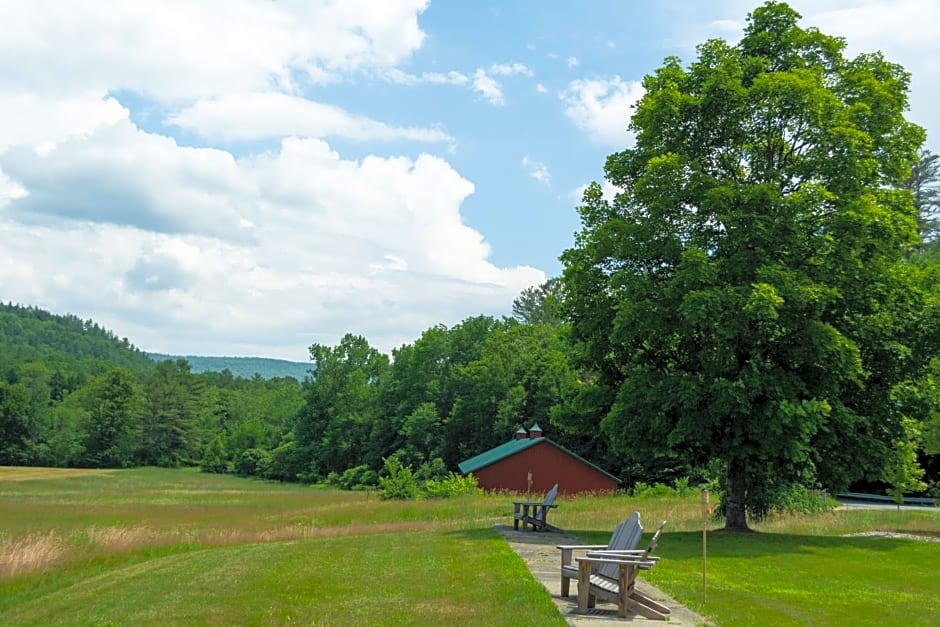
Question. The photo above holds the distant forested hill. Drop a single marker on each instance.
(74, 394)
(245, 367)
(30, 334)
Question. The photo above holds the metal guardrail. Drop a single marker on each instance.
(908, 500)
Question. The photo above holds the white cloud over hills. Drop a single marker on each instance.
(198, 249)
(250, 176)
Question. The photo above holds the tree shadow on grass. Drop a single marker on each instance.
(683, 545)
(688, 544)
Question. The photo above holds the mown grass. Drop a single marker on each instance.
(152, 546)
(373, 579)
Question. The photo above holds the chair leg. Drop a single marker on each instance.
(623, 597)
(585, 598)
(565, 580)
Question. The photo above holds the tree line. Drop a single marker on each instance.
(449, 395)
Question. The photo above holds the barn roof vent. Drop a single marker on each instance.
(521, 434)
(535, 431)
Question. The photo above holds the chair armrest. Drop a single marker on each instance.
(626, 551)
(644, 564)
(622, 556)
(529, 503)
(585, 547)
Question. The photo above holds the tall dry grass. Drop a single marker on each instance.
(29, 473)
(76, 528)
(31, 553)
(606, 512)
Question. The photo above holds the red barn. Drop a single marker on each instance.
(533, 463)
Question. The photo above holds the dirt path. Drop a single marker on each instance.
(544, 561)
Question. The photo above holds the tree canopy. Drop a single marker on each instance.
(744, 298)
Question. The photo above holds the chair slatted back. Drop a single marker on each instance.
(541, 512)
(551, 495)
(625, 537)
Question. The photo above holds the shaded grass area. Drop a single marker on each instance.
(149, 546)
(789, 579)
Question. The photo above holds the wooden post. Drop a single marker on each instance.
(705, 513)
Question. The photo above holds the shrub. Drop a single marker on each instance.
(282, 464)
(797, 499)
(356, 478)
(641, 489)
(430, 470)
(253, 462)
(398, 482)
(452, 485)
(683, 488)
(214, 457)
(680, 487)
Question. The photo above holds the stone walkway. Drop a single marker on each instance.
(544, 560)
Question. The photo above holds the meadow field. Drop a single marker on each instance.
(177, 547)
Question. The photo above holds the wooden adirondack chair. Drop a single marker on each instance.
(594, 583)
(624, 538)
(535, 513)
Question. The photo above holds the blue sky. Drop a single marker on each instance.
(247, 177)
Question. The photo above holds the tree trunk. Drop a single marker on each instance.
(735, 512)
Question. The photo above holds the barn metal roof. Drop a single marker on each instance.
(516, 446)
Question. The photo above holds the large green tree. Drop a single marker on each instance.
(518, 378)
(333, 428)
(744, 298)
(174, 403)
(15, 424)
(112, 401)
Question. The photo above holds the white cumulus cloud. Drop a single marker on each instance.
(506, 69)
(186, 249)
(602, 107)
(256, 116)
(175, 50)
(488, 87)
(110, 210)
(536, 169)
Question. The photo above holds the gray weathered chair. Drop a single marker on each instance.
(535, 513)
(610, 575)
(624, 538)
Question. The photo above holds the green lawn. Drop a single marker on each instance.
(445, 578)
(786, 579)
(167, 547)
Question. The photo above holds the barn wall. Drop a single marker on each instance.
(549, 465)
